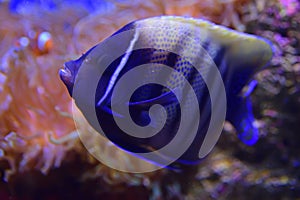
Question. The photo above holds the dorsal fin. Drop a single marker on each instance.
(254, 50)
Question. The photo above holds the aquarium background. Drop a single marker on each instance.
(41, 156)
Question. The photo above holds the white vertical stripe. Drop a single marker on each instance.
(122, 64)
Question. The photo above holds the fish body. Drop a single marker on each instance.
(180, 43)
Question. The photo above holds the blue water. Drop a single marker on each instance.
(91, 5)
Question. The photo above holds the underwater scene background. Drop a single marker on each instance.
(41, 156)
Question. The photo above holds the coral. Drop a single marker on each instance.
(289, 7)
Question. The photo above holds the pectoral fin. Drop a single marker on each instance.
(164, 99)
(140, 110)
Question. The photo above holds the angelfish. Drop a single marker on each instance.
(237, 56)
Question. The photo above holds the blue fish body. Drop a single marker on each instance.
(238, 57)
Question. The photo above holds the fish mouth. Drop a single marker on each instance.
(68, 74)
(65, 74)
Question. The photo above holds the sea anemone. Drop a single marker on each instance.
(36, 126)
(36, 117)
(225, 12)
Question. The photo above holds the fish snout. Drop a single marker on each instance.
(68, 74)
